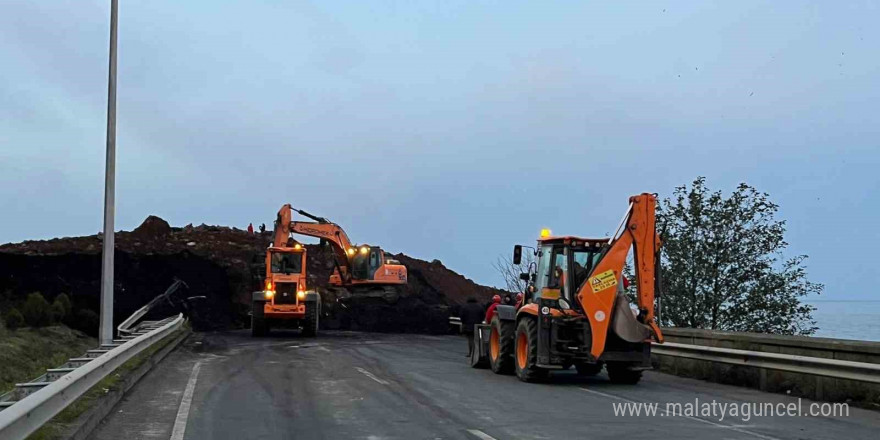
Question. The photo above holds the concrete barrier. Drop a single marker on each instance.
(798, 384)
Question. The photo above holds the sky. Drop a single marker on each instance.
(446, 130)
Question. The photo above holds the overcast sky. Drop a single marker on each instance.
(448, 129)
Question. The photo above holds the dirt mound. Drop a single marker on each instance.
(152, 227)
(222, 264)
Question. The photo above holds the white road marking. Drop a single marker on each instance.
(480, 434)
(183, 412)
(372, 376)
(719, 425)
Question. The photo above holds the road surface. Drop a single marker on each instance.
(344, 385)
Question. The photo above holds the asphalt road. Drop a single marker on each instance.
(344, 385)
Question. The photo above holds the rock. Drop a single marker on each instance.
(152, 227)
(192, 243)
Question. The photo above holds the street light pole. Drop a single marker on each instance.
(106, 331)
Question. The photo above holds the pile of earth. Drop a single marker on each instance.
(224, 266)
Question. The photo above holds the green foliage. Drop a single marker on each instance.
(63, 301)
(36, 311)
(27, 352)
(86, 320)
(723, 266)
(13, 319)
(57, 312)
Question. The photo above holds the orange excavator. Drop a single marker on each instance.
(359, 270)
(575, 311)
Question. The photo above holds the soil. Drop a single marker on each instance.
(224, 265)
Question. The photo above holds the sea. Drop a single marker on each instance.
(859, 320)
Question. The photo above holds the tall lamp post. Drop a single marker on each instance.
(105, 334)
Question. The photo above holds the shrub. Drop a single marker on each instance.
(36, 311)
(64, 301)
(58, 314)
(13, 319)
(86, 321)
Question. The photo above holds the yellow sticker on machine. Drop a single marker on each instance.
(603, 281)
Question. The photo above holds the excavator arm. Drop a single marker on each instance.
(598, 295)
(320, 228)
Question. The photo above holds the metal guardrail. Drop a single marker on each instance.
(833, 368)
(30, 405)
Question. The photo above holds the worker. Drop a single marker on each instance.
(262, 228)
(491, 311)
(471, 315)
(519, 301)
(250, 228)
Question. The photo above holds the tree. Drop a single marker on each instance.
(13, 319)
(723, 265)
(510, 272)
(36, 311)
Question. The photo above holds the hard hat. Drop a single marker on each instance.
(496, 299)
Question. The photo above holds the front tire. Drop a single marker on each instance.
(527, 352)
(310, 323)
(259, 326)
(501, 346)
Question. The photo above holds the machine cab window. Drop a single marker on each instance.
(286, 263)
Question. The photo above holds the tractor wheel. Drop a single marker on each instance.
(620, 372)
(310, 323)
(259, 326)
(501, 345)
(586, 369)
(527, 351)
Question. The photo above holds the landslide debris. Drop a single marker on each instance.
(224, 265)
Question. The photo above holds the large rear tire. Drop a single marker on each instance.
(310, 323)
(501, 345)
(620, 372)
(527, 352)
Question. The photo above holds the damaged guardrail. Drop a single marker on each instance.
(30, 405)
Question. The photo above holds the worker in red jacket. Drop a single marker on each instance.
(491, 311)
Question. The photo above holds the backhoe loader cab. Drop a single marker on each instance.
(575, 311)
(285, 300)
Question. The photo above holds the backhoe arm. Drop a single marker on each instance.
(598, 294)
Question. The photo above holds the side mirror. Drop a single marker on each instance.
(524, 276)
(517, 254)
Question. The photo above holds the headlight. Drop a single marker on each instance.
(563, 304)
(269, 294)
(301, 294)
(545, 310)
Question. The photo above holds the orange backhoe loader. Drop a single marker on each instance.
(575, 310)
